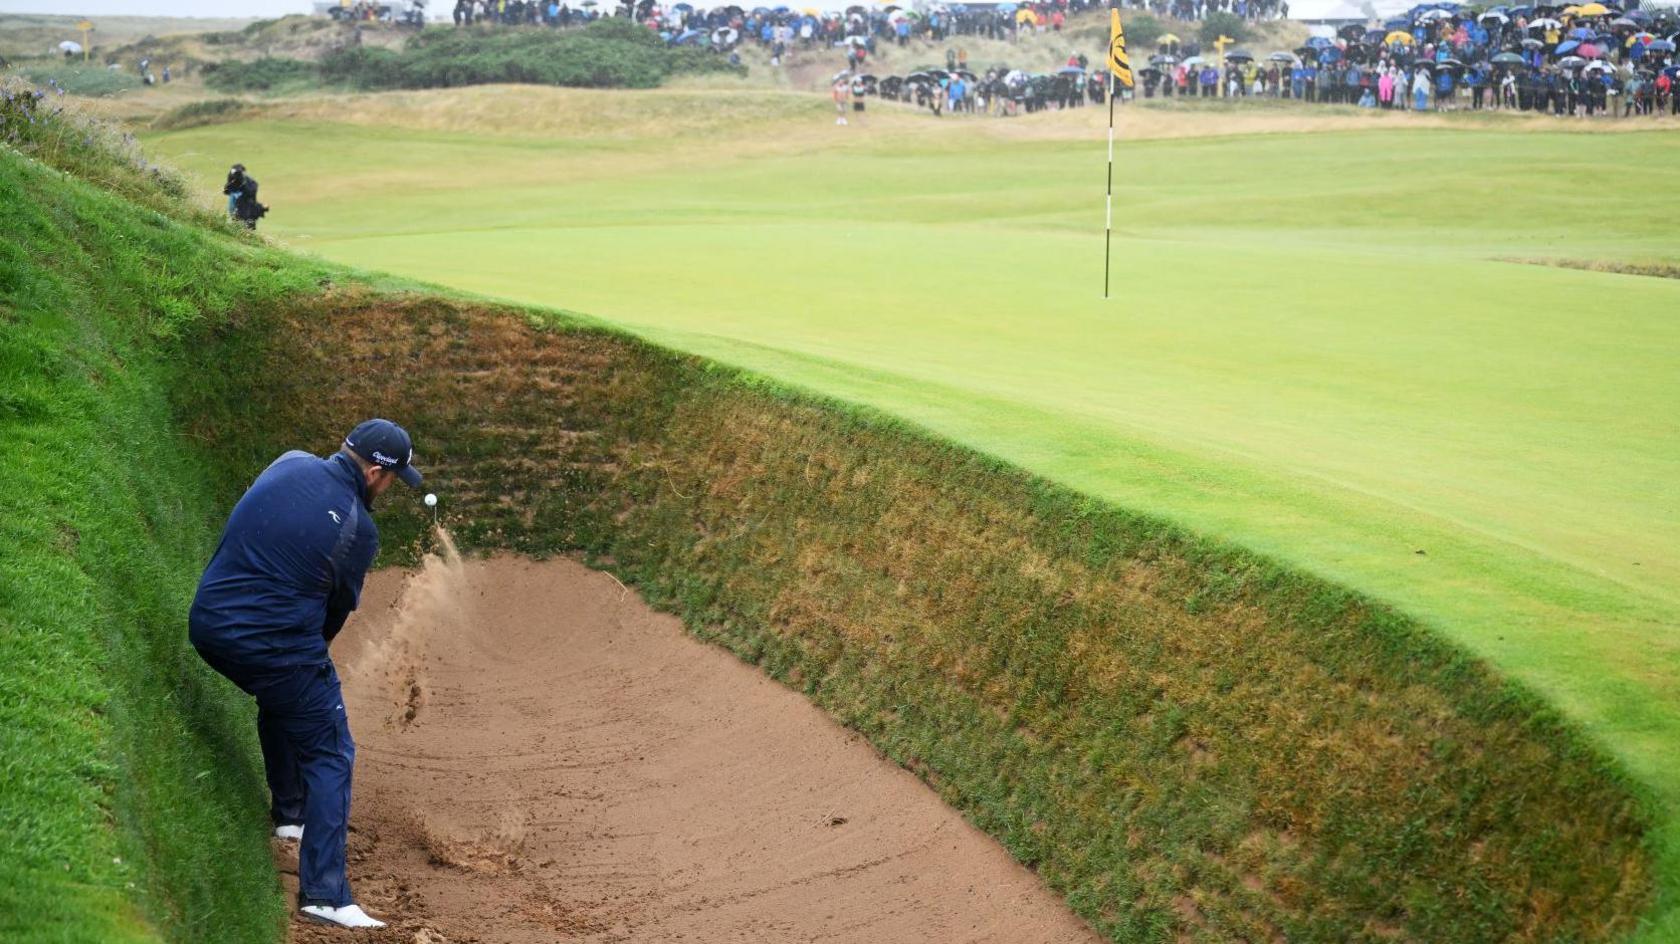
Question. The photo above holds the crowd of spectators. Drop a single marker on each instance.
(1582, 60)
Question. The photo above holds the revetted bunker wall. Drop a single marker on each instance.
(1186, 740)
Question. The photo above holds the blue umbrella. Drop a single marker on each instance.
(1581, 32)
(1070, 70)
(685, 7)
(1564, 49)
(687, 36)
(1320, 42)
(1660, 45)
(1006, 8)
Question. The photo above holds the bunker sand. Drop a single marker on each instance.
(541, 757)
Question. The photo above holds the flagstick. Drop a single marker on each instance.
(1108, 213)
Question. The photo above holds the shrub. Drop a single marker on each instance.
(1142, 30)
(605, 54)
(1223, 24)
(258, 75)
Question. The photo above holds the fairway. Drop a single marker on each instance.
(1326, 343)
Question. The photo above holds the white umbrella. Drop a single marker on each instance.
(1430, 16)
(68, 46)
(1544, 23)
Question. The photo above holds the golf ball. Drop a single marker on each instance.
(431, 500)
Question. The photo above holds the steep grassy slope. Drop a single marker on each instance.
(1184, 739)
(129, 805)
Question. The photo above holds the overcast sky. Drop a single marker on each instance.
(224, 8)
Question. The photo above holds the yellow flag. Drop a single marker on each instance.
(1118, 62)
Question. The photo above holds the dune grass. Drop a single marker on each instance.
(1313, 350)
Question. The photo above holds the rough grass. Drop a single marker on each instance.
(131, 802)
(1182, 738)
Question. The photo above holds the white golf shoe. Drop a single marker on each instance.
(288, 833)
(349, 916)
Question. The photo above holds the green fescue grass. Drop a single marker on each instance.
(131, 800)
(1313, 350)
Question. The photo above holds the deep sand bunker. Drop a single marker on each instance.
(543, 757)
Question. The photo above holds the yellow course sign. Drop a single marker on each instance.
(86, 26)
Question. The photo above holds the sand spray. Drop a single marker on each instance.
(434, 600)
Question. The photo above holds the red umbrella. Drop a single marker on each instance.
(1589, 50)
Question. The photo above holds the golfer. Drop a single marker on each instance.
(281, 584)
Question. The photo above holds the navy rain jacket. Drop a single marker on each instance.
(290, 566)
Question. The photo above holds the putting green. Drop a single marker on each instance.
(1314, 350)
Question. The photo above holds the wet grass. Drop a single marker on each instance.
(131, 802)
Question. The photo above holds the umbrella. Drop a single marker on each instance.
(1580, 33)
(1320, 42)
(1571, 62)
(1639, 38)
(1507, 59)
(1624, 22)
(1352, 31)
(1070, 70)
(1592, 9)
(1026, 16)
(1006, 8)
(1660, 45)
(1431, 16)
(1449, 63)
(1492, 17)
(1532, 44)
(1167, 39)
(1564, 49)
(1195, 61)
(1544, 23)
(1404, 39)
(68, 46)
(1590, 50)
(1281, 57)
(1162, 60)
(1239, 55)
(1329, 55)
(1597, 65)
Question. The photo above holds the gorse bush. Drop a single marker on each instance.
(259, 75)
(606, 54)
(1223, 24)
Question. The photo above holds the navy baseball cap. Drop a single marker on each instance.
(387, 445)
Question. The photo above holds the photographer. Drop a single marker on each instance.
(241, 190)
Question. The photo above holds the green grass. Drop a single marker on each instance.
(1313, 351)
(92, 80)
(131, 801)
